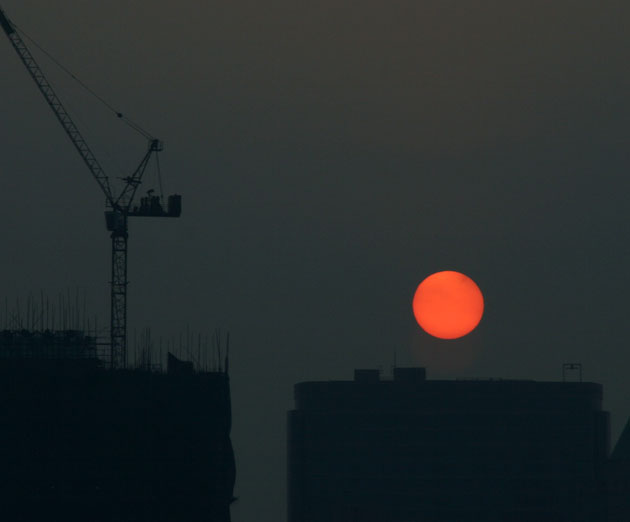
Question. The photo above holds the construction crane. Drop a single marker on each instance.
(118, 206)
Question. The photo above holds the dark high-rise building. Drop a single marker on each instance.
(81, 443)
(411, 449)
(617, 479)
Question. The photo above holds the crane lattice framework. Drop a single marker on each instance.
(119, 207)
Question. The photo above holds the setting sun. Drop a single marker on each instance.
(448, 305)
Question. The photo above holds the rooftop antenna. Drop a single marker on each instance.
(227, 354)
(394, 365)
(218, 335)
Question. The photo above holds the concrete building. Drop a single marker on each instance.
(82, 443)
(411, 449)
(617, 479)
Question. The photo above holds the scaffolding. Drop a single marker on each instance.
(61, 329)
(48, 345)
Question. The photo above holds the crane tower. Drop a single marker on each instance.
(119, 205)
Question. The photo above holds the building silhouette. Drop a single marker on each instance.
(82, 443)
(617, 479)
(411, 449)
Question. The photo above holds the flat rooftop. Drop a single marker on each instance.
(410, 389)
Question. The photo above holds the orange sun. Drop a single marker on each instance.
(448, 305)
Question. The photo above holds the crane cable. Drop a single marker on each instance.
(133, 125)
(159, 176)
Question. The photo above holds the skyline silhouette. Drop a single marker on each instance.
(407, 448)
(332, 156)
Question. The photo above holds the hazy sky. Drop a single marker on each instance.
(330, 156)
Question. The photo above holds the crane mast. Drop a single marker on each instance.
(119, 207)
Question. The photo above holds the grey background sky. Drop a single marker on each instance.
(330, 156)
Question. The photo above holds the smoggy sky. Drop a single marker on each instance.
(330, 156)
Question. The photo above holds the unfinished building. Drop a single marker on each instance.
(82, 442)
